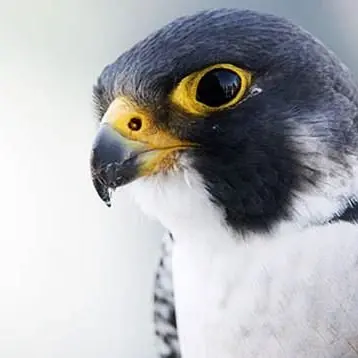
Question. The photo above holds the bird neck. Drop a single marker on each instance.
(182, 204)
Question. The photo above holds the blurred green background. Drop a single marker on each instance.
(75, 277)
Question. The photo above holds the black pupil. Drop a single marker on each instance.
(135, 124)
(218, 87)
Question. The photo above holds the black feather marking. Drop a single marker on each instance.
(164, 308)
(350, 214)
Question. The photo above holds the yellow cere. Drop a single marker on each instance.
(120, 114)
(184, 95)
(157, 150)
(137, 125)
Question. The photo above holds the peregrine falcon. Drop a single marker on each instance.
(237, 130)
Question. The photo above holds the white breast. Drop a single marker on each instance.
(294, 294)
(284, 297)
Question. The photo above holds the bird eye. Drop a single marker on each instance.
(218, 87)
(212, 89)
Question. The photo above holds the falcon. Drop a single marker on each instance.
(238, 131)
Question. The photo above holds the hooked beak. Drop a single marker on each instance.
(129, 145)
(114, 161)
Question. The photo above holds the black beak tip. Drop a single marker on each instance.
(102, 190)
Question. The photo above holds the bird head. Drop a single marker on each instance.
(263, 112)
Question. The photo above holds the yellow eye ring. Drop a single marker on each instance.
(212, 89)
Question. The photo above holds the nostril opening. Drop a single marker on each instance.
(135, 124)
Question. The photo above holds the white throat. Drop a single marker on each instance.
(181, 203)
(223, 280)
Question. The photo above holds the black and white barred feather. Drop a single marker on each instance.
(164, 308)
